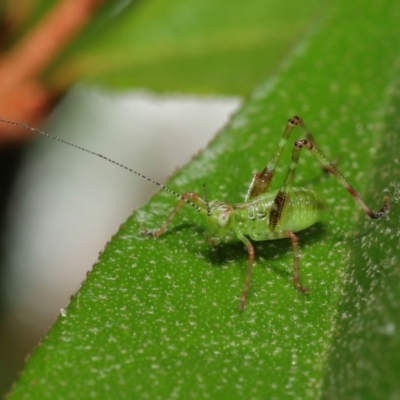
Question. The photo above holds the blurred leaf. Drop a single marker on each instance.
(188, 45)
(158, 318)
(180, 45)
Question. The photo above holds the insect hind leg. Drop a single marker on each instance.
(281, 200)
(331, 167)
(261, 181)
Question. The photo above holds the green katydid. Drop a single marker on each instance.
(263, 215)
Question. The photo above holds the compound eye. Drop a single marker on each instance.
(223, 218)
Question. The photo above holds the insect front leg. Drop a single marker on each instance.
(191, 198)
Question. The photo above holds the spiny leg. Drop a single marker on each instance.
(296, 262)
(277, 214)
(282, 198)
(262, 180)
(331, 167)
(198, 201)
(250, 262)
(310, 138)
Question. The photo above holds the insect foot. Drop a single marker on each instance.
(384, 210)
(148, 232)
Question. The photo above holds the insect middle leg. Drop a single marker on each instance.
(250, 264)
(296, 262)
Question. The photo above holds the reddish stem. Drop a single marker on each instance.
(22, 97)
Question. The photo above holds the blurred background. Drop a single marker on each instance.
(147, 83)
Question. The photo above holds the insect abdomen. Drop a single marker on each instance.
(304, 209)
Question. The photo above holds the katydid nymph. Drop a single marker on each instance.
(264, 214)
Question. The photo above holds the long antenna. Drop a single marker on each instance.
(22, 125)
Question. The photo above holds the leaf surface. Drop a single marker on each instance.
(158, 318)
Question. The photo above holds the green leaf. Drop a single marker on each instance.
(158, 318)
(364, 361)
(201, 46)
